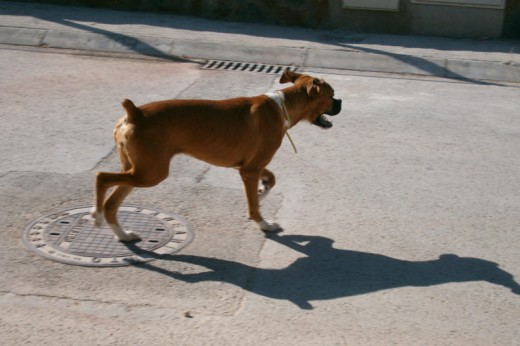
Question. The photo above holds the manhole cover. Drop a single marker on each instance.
(69, 236)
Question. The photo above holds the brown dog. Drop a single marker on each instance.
(243, 133)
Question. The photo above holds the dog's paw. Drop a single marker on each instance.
(97, 217)
(124, 236)
(127, 236)
(269, 226)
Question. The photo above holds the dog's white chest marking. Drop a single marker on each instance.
(279, 98)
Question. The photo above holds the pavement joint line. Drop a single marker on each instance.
(104, 158)
(127, 307)
(84, 300)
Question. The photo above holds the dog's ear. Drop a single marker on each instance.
(289, 76)
(313, 89)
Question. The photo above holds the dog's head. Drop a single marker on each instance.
(320, 97)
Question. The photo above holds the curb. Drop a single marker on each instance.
(301, 57)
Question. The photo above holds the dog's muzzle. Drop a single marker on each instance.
(322, 121)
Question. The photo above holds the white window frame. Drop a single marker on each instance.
(496, 4)
(377, 5)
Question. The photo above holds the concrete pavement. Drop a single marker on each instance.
(401, 222)
(170, 37)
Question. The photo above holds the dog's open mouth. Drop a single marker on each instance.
(322, 122)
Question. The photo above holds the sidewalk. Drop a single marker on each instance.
(170, 36)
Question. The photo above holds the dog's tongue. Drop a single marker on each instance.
(322, 122)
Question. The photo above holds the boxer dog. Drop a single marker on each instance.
(243, 133)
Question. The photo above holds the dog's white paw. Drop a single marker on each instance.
(129, 236)
(97, 216)
(124, 236)
(269, 226)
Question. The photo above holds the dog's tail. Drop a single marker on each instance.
(133, 114)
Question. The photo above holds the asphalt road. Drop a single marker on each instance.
(401, 222)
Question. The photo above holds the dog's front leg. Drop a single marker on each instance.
(250, 178)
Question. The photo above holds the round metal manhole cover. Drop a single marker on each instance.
(69, 236)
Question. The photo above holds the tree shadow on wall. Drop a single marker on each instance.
(328, 273)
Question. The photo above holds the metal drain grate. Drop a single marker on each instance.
(70, 237)
(246, 66)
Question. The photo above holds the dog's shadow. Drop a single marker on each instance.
(328, 273)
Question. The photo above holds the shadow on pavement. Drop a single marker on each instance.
(130, 42)
(425, 65)
(328, 273)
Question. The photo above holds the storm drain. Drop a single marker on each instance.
(70, 237)
(246, 66)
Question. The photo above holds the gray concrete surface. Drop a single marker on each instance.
(177, 36)
(401, 222)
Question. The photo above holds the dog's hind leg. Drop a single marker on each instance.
(112, 204)
(124, 182)
(267, 182)
(100, 189)
(111, 207)
(104, 181)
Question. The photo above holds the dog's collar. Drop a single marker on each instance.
(279, 98)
